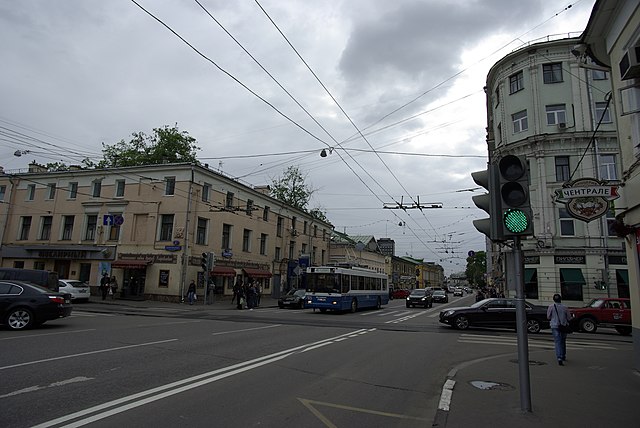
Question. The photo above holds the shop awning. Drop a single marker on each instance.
(622, 276)
(528, 274)
(130, 264)
(257, 273)
(572, 276)
(223, 271)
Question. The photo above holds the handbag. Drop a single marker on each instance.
(564, 328)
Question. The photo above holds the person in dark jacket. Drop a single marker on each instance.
(558, 315)
(238, 292)
(191, 293)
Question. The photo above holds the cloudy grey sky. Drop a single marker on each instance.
(408, 73)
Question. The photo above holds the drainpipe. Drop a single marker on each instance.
(186, 251)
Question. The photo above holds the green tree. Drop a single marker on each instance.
(476, 269)
(164, 145)
(292, 189)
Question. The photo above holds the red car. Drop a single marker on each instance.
(400, 293)
(603, 312)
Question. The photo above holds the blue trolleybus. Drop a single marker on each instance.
(345, 288)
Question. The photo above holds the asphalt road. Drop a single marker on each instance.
(268, 368)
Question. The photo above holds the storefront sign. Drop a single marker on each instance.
(586, 198)
(154, 258)
(531, 260)
(62, 254)
(570, 260)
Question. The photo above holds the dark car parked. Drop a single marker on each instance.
(24, 305)
(495, 313)
(293, 299)
(440, 296)
(419, 297)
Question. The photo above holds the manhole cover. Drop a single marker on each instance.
(493, 386)
(531, 362)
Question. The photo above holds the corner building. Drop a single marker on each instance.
(149, 225)
(542, 105)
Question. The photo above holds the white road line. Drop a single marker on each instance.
(85, 353)
(123, 404)
(47, 334)
(52, 385)
(445, 396)
(246, 329)
(167, 323)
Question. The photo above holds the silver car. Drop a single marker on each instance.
(79, 290)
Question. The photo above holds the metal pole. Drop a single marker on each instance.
(521, 320)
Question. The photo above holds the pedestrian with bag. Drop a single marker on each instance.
(191, 292)
(559, 318)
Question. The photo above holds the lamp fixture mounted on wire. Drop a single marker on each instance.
(324, 153)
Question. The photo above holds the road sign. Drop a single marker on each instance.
(107, 220)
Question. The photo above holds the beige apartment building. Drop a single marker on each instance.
(149, 225)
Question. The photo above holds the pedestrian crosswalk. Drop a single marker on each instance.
(546, 343)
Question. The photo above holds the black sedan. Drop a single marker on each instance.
(419, 297)
(24, 305)
(293, 299)
(440, 296)
(495, 313)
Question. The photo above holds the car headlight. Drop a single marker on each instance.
(449, 313)
(424, 298)
(408, 298)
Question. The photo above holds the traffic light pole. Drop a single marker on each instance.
(521, 321)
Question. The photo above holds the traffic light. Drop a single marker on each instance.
(207, 262)
(516, 217)
(488, 202)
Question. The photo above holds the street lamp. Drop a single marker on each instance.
(19, 153)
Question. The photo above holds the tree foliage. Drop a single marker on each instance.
(476, 269)
(164, 145)
(292, 189)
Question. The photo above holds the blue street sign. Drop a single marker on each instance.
(107, 220)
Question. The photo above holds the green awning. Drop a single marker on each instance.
(623, 274)
(572, 276)
(528, 274)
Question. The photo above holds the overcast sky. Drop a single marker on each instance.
(408, 73)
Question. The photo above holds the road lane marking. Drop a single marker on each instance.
(123, 404)
(246, 329)
(532, 343)
(446, 395)
(46, 360)
(47, 334)
(51, 385)
(167, 323)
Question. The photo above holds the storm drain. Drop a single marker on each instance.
(491, 386)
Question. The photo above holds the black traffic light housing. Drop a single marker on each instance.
(206, 262)
(516, 216)
(489, 202)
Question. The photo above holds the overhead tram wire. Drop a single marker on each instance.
(296, 101)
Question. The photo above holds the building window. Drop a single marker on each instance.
(45, 230)
(18, 264)
(38, 265)
(497, 96)
(278, 254)
(303, 249)
(73, 190)
(25, 227)
(67, 227)
(206, 190)
(3, 190)
(314, 251)
(265, 213)
(567, 226)
(611, 219)
(571, 284)
(603, 114)
(166, 227)
(169, 186)
(556, 114)
(229, 201)
(226, 236)
(499, 136)
(51, 191)
(114, 228)
(530, 283)
(520, 122)
(31, 192)
(294, 221)
(516, 82)
(263, 244)
(92, 224)
(292, 249)
(599, 75)
(279, 226)
(552, 73)
(201, 232)
(246, 240)
(97, 189)
(305, 228)
(608, 167)
(562, 168)
(315, 231)
(249, 206)
(119, 188)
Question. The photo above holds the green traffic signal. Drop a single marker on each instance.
(515, 220)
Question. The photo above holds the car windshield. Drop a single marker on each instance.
(438, 293)
(300, 293)
(418, 292)
(480, 303)
(76, 284)
(595, 303)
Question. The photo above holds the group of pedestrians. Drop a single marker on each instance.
(108, 286)
(246, 294)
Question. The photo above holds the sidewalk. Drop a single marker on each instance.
(220, 302)
(596, 388)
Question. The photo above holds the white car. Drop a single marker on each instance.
(79, 290)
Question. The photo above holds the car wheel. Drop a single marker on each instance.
(354, 305)
(461, 322)
(624, 330)
(533, 326)
(588, 325)
(19, 319)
